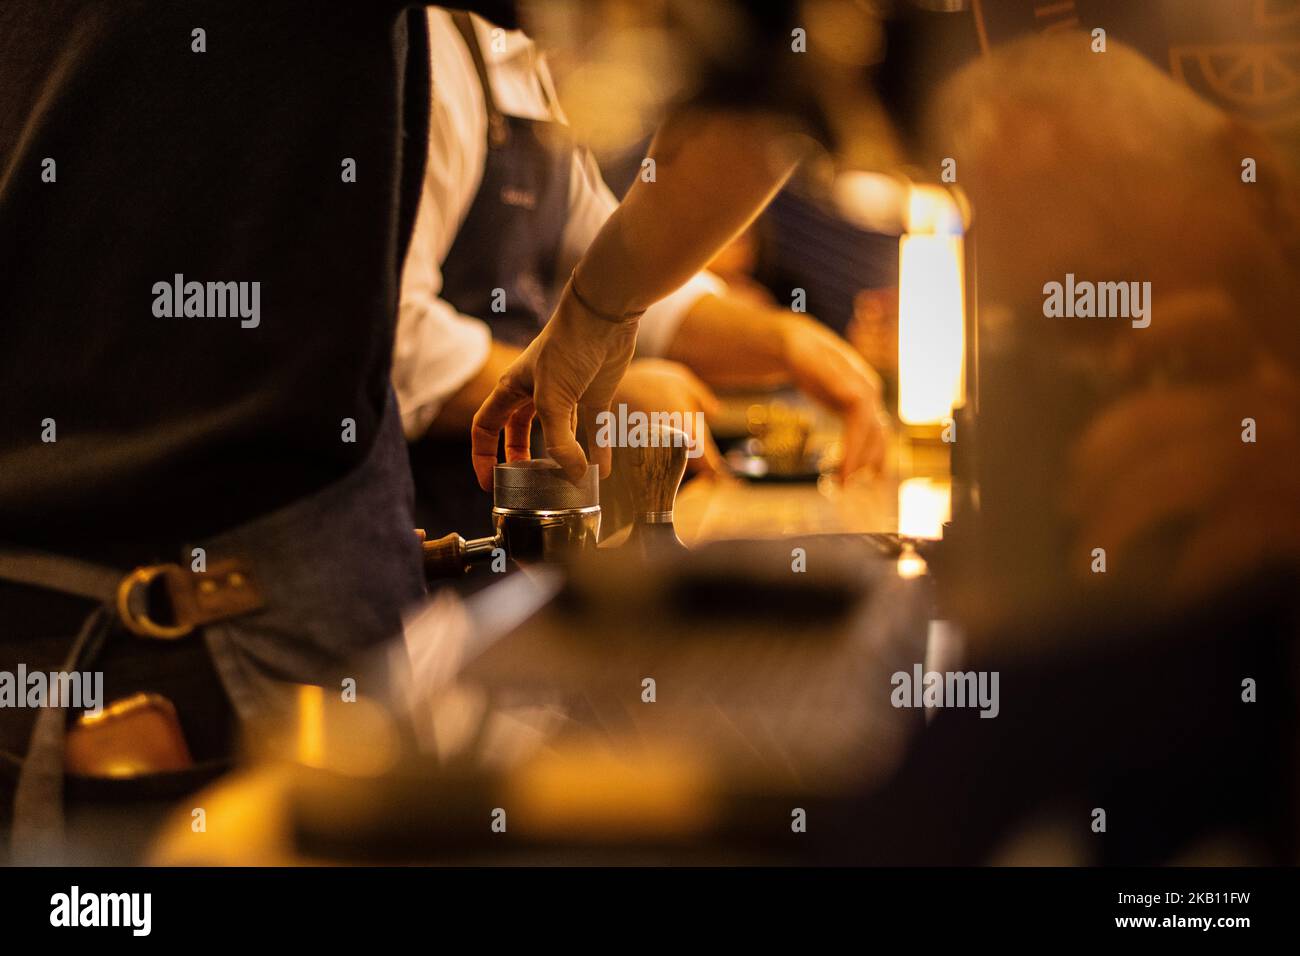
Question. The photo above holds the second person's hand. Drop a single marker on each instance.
(658, 386)
(827, 369)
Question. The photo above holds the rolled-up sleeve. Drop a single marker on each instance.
(437, 349)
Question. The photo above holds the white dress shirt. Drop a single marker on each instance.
(437, 349)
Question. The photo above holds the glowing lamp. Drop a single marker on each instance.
(931, 308)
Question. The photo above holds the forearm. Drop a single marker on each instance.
(712, 177)
(713, 174)
(730, 343)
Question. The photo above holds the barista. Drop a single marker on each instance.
(510, 203)
(253, 473)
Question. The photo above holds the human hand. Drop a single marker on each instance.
(566, 376)
(657, 385)
(826, 368)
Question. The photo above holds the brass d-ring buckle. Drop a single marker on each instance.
(141, 624)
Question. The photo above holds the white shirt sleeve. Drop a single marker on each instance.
(437, 349)
(590, 204)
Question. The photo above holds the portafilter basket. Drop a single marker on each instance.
(538, 515)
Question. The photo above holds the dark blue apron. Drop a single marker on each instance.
(336, 571)
(508, 241)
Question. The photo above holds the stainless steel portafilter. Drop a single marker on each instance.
(538, 515)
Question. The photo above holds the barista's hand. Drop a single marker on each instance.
(656, 385)
(566, 375)
(826, 368)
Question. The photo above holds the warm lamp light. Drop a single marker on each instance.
(931, 308)
(924, 504)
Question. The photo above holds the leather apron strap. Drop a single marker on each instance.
(57, 573)
(37, 836)
(37, 833)
(498, 128)
(38, 820)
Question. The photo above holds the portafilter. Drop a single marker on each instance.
(538, 515)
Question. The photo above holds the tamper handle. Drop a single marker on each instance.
(656, 472)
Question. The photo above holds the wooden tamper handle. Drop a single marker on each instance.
(654, 473)
(451, 555)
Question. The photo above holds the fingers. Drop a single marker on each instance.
(865, 437)
(857, 439)
(561, 442)
(710, 461)
(491, 417)
(702, 457)
(703, 396)
(828, 370)
(878, 446)
(519, 433)
(853, 439)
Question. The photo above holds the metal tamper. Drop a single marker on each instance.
(538, 516)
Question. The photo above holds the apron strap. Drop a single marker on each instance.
(37, 836)
(58, 573)
(227, 590)
(498, 128)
